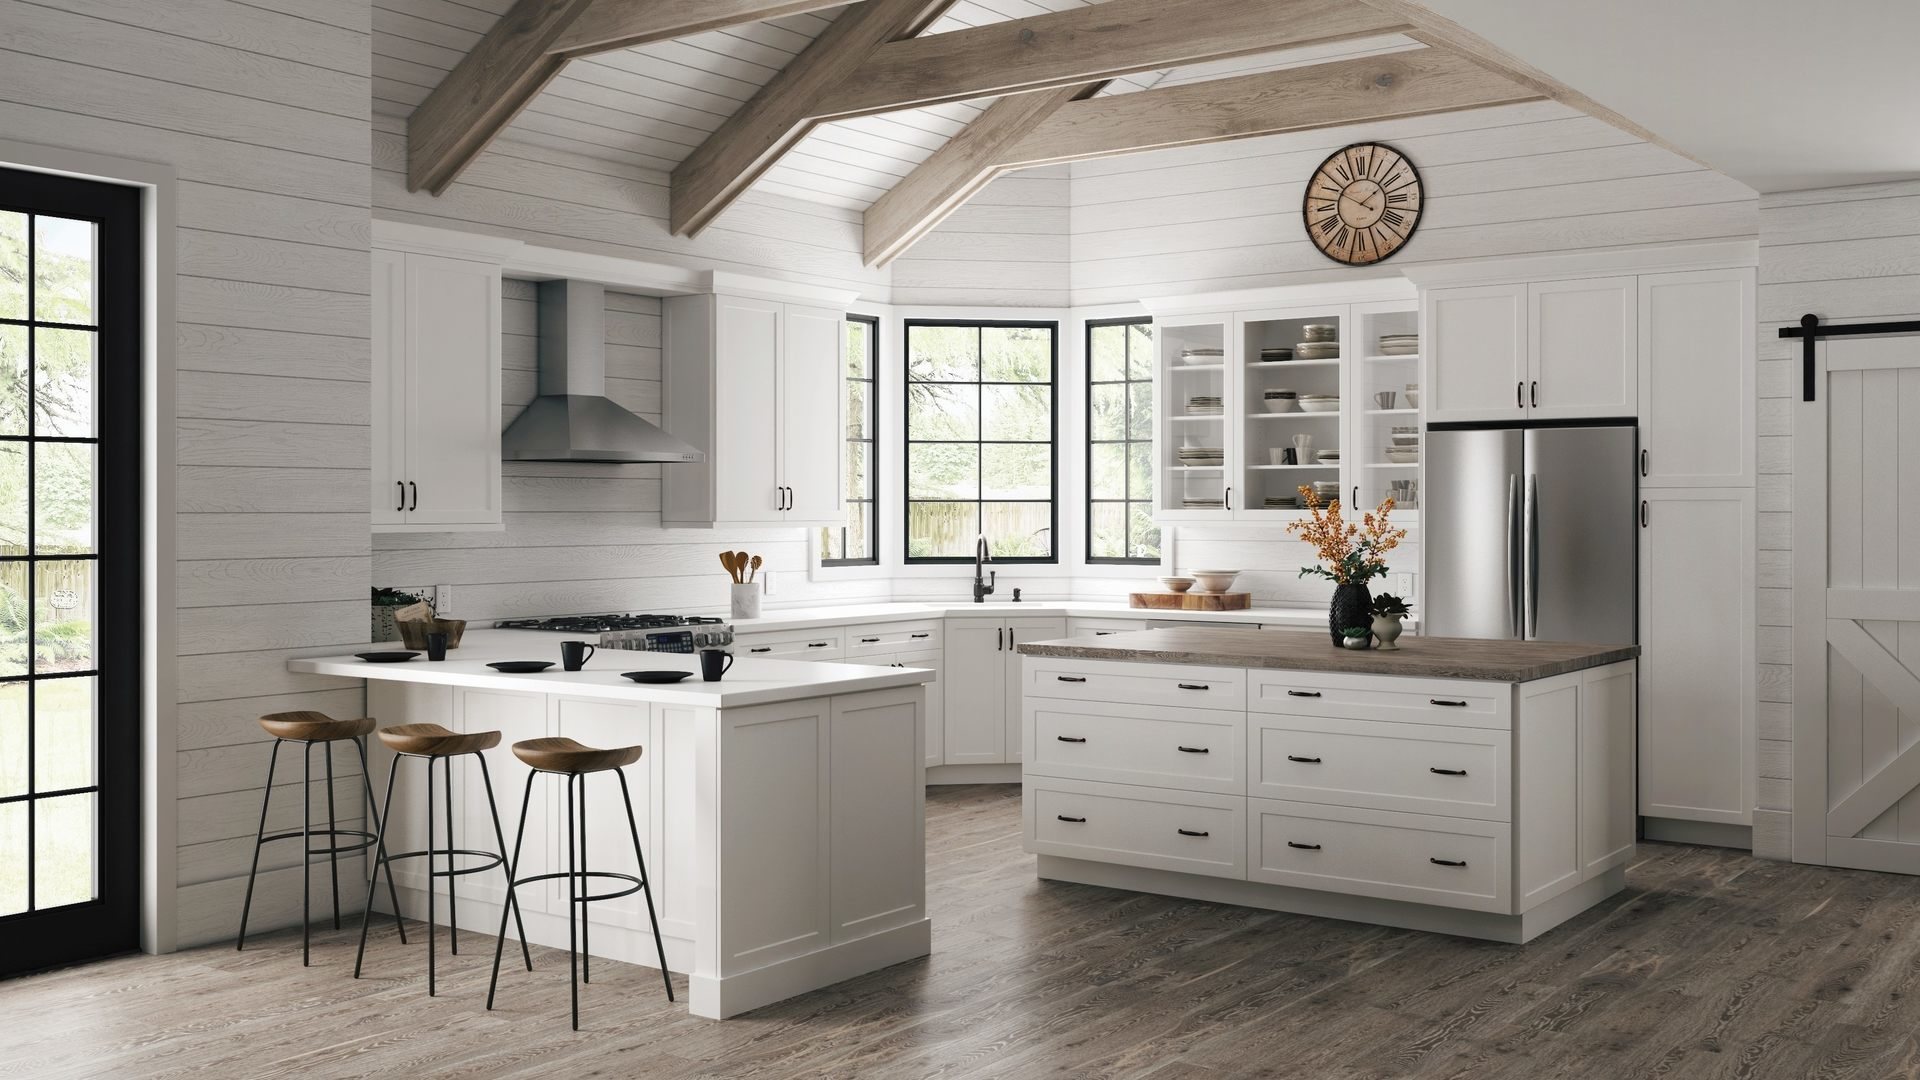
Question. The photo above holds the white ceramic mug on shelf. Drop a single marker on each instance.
(1302, 444)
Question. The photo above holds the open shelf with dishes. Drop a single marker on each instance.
(1294, 431)
(1192, 402)
(1387, 427)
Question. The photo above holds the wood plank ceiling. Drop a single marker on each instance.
(652, 106)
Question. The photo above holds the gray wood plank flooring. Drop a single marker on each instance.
(1711, 964)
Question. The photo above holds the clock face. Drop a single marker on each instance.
(1362, 204)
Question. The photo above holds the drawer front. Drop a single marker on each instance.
(1091, 627)
(1417, 768)
(1450, 862)
(822, 644)
(1453, 702)
(1191, 832)
(1185, 749)
(1138, 684)
(874, 638)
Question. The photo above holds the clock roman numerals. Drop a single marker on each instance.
(1362, 204)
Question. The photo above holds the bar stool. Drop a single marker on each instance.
(433, 743)
(311, 729)
(565, 757)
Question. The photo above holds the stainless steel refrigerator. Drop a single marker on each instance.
(1531, 532)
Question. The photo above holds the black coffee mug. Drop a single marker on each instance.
(710, 666)
(1288, 457)
(575, 654)
(436, 646)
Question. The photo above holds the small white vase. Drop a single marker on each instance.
(1387, 629)
(746, 599)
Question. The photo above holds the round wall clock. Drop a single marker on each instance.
(1362, 204)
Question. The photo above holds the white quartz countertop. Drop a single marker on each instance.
(750, 682)
(849, 614)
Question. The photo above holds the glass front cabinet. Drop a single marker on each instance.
(1258, 403)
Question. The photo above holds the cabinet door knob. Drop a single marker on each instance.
(1303, 847)
(1448, 862)
(1303, 693)
(1193, 686)
(1446, 772)
(1445, 702)
(1192, 832)
(1193, 749)
(1071, 738)
(1303, 760)
(1075, 820)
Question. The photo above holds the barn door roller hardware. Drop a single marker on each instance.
(1810, 331)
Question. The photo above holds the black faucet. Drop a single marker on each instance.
(982, 586)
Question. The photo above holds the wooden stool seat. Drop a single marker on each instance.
(563, 755)
(313, 727)
(432, 740)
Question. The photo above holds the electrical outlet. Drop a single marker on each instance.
(766, 582)
(443, 600)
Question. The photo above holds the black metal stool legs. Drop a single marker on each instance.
(333, 850)
(573, 906)
(259, 841)
(500, 837)
(646, 889)
(380, 842)
(499, 943)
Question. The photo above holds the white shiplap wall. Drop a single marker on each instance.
(1009, 246)
(587, 538)
(1849, 254)
(263, 116)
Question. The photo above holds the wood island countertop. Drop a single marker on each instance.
(1294, 650)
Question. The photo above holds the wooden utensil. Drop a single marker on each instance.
(755, 568)
(726, 560)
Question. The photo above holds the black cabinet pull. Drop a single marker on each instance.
(1448, 704)
(1448, 862)
(1192, 832)
(1070, 738)
(402, 485)
(1643, 461)
(1075, 820)
(1304, 847)
(1000, 639)
(1227, 498)
(415, 490)
(1194, 686)
(868, 640)
(1009, 638)
(1447, 772)
(761, 648)
(1193, 749)
(1519, 395)
(1534, 394)
(920, 635)
(1303, 693)
(818, 644)
(1643, 513)
(1071, 678)
(1303, 760)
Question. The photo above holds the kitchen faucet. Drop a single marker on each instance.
(982, 586)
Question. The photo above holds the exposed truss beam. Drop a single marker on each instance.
(528, 47)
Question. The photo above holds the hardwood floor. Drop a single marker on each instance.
(1711, 964)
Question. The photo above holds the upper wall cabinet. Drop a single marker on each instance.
(757, 385)
(1552, 350)
(1697, 389)
(436, 393)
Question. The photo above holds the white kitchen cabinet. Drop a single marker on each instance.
(757, 385)
(1697, 692)
(436, 393)
(982, 685)
(1474, 339)
(1581, 348)
(1696, 385)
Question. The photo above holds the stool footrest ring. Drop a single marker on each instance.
(493, 860)
(367, 840)
(583, 875)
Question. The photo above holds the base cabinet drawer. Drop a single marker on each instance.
(1139, 684)
(1192, 832)
(1450, 862)
(1187, 749)
(878, 638)
(801, 645)
(1453, 702)
(1416, 768)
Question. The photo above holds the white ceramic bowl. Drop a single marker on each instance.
(1177, 584)
(1320, 406)
(1214, 581)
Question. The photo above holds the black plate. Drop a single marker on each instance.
(520, 667)
(655, 676)
(386, 657)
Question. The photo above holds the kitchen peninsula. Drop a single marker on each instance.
(782, 809)
(1468, 787)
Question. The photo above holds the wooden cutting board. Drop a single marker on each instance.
(1191, 601)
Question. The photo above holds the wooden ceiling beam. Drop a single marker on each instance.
(776, 118)
(528, 46)
(1083, 44)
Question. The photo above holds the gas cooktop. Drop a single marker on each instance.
(603, 624)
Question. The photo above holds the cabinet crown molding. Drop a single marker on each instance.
(1358, 291)
(1658, 259)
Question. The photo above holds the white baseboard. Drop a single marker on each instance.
(1708, 833)
(1008, 773)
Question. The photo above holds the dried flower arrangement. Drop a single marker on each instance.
(1350, 553)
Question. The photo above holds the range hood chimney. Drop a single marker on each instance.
(573, 419)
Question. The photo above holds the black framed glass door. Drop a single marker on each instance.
(70, 637)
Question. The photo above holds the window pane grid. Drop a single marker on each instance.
(980, 386)
(857, 543)
(1120, 526)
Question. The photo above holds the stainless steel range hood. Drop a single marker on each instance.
(573, 419)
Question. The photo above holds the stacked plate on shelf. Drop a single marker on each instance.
(1319, 402)
(1203, 504)
(1327, 489)
(1283, 502)
(1206, 456)
(1403, 447)
(1206, 405)
(1273, 354)
(1399, 344)
(1201, 355)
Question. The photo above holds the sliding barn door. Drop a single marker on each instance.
(1857, 607)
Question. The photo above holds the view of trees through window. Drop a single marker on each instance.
(980, 440)
(1120, 526)
(857, 542)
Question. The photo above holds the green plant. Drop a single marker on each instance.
(1389, 604)
(1355, 631)
(394, 598)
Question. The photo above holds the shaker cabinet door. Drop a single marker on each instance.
(975, 689)
(812, 424)
(1697, 379)
(1475, 340)
(745, 456)
(452, 388)
(1583, 344)
(389, 399)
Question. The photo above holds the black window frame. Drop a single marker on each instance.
(109, 923)
(872, 323)
(1129, 441)
(1052, 326)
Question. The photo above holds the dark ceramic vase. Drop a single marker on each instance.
(1352, 606)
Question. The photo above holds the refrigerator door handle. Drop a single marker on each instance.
(1532, 549)
(1513, 554)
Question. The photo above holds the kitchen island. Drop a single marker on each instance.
(782, 809)
(1480, 788)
